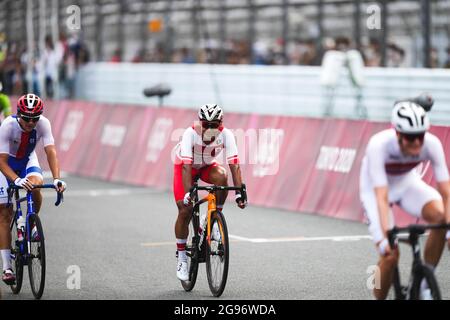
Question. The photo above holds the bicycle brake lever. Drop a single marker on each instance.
(59, 198)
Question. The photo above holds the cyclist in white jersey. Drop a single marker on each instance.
(198, 154)
(19, 164)
(389, 176)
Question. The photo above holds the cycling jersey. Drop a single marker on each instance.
(193, 150)
(203, 157)
(384, 160)
(384, 165)
(20, 145)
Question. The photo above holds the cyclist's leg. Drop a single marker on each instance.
(433, 212)
(184, 213)
(387, 262)
(34, 173)
(182, 222)
(217, 175)
(5, 220)
(424, 201)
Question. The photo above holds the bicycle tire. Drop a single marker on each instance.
(399, 290)
(17, 261)
(37, 263)
(428, 274)
(217, 250)
(192, 252)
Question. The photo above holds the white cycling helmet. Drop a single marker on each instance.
(210, 112)
(410, 118)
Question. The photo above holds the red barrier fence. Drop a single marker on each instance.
(299, 164)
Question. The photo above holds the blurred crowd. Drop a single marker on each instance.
(301, 52)
(50, 71)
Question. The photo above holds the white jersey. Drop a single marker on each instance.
(20, 145)
(193, 150)
(384, 165)
(384, 160)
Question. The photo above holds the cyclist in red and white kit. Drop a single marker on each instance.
(198, 154)
(389, 176)
(19, 135)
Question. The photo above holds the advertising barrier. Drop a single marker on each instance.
(293, 163)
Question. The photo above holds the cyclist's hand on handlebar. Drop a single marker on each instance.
(242, 203)
(384, 248)
(24, 183)
(187, 199)
(59, 185)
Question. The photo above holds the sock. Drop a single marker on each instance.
(6, 257)
(181, 248)
(424, 284)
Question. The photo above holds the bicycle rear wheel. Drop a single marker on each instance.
(425, 273)
(192, 252)
(217, 254)
(36, 263)
(17, 259)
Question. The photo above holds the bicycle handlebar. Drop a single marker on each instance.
(414, 229)
(214, 188)
(59, 195)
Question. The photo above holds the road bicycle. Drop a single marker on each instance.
(29, 250)
(419, 270)
(208, 239)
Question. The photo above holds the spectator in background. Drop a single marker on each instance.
(51, 60)
(18, 79)
(395, 56)
(447, 63)
(139, 56)
(117, 56)
(9, 66)
(183, 55)
(434, 59)
(372, 53)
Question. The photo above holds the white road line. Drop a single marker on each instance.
(236, 238)
(300, 239)
(102, 192)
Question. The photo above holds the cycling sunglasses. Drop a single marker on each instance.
(210, 124)
(30, 119)
(413, 137)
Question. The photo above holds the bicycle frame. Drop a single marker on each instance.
(414, 231)
(211, 199)
(30, 211)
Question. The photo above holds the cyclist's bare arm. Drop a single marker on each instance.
(5, 168)
(187, 177)
(381, 194)
(53, 162)
(236, 174)
(444, 189)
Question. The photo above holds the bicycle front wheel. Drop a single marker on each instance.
(217, 254)
(192, 252)
(17, 259)
(425, 273)
(36, 263)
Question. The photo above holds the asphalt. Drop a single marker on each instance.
(121, 240)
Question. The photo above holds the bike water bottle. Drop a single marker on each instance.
(20, 228)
